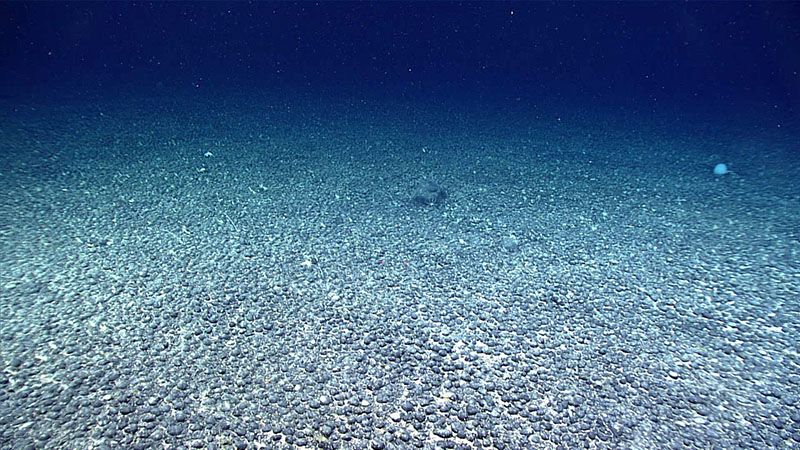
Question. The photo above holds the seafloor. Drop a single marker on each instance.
(253, 271)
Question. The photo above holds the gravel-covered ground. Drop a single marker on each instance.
(254, 272)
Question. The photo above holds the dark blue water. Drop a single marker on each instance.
(653, 54)
(400, 225)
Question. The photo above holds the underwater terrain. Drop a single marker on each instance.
(316, 266)
(274, 271)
